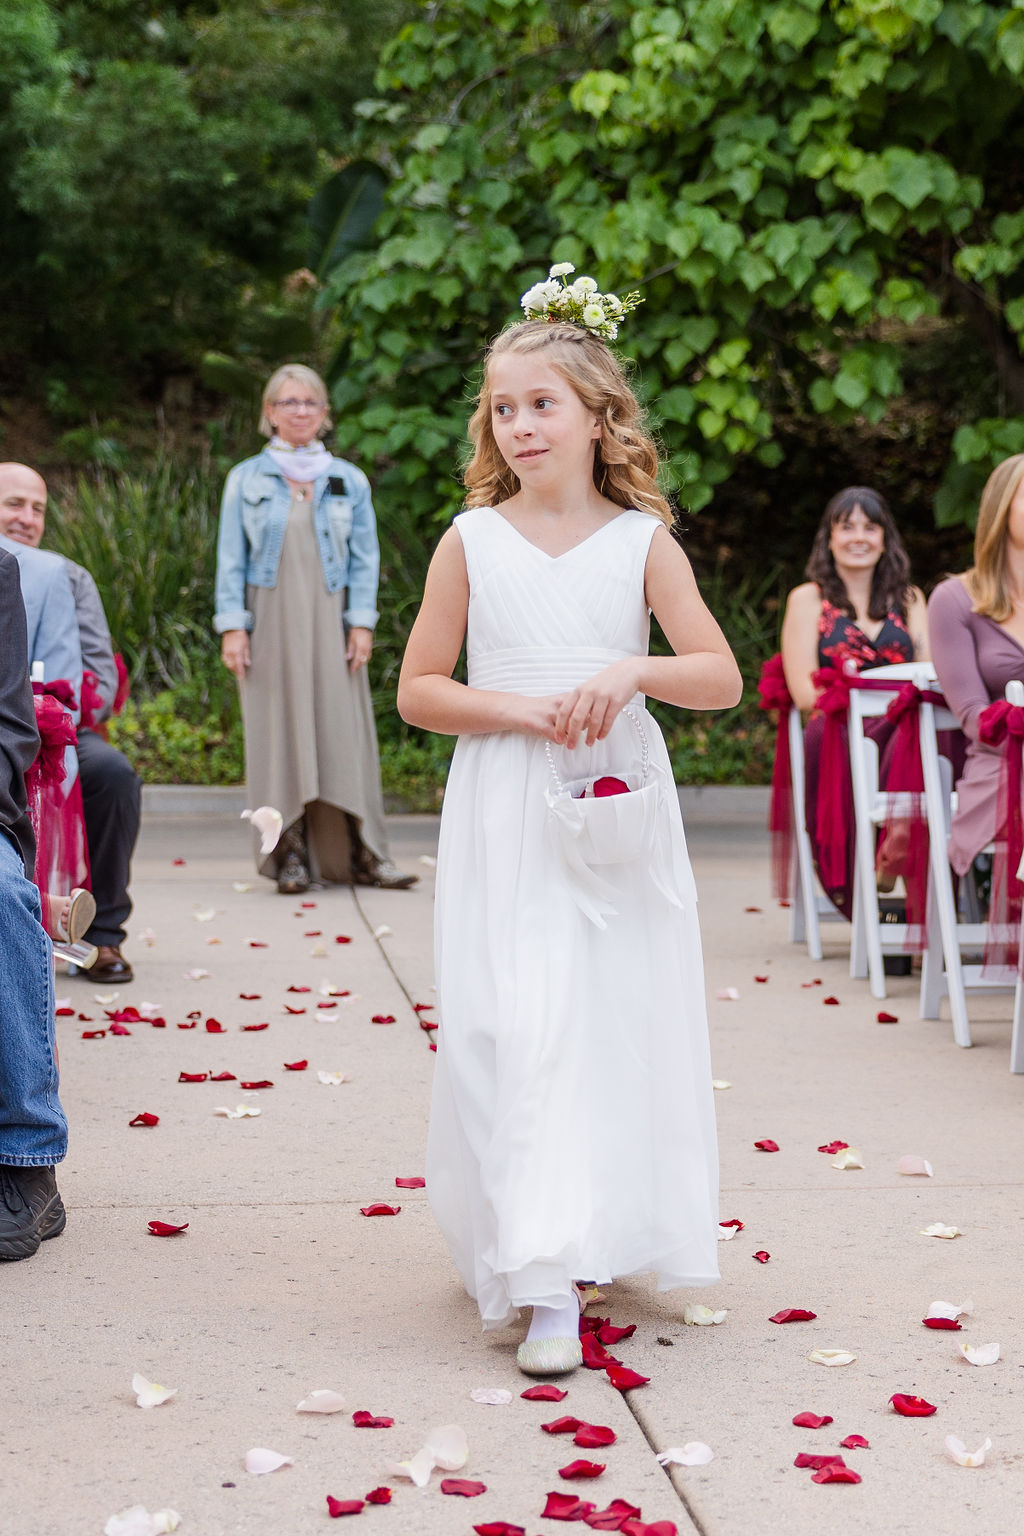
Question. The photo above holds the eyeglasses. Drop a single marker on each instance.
(300, 405)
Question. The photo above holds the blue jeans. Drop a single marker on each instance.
(33, 1129)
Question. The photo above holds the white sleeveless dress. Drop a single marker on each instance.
(572, 1132)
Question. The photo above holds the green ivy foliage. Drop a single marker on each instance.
(796, 187)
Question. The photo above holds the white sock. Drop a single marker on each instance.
(561, 1322)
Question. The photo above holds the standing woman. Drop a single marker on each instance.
(297, 565)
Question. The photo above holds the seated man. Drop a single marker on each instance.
(111, 790)
(33, 1130)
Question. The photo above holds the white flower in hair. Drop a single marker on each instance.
(580, 304)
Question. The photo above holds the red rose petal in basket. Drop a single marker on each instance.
(166, 1229)
(581, 1469)
(337, 1507)
(807, 1420)
(855, 1443)
(793, 1315)
(412, 1183)
(499, 1528)
(379, 1496)
(263, 1082)
(767, 1145)
(215, 1027)
(223, 1077)
(145, 1118)
(610, 1333)
(887, 1018)
(342, 938)
(590, 1436)
(911, 1407)
(609, 786)
(251, 997)
(762, 1256)
(624, 1380)
(94, 1034)
(465, 1486)
(810, 1459)
(363, 1419)
(545, 1392)
(296, 1066)
(300, 989)
(383, 1018)
(119, 1029)
(566, 1425)
(252, 1029)
(378, 1208)
(949, 1323)
(192, 1077)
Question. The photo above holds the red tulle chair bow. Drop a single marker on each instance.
(1002, 725)
(834, 811)
(92, 701)
(773, 693)
(58, 820)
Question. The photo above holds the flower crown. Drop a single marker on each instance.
(580, 303)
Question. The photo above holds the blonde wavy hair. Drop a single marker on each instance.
(986, 579)
(625, 459)
(300, 374)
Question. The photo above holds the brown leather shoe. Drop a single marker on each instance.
(382, 873)
(111, 966)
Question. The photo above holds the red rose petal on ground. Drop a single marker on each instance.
(623, 1379)
(610, 1333)
(427, 1025)
(581, 1469)
(378, 1208)
(307, 904)
(831, 1002)
(809, 1459)
(432, 1046)
(187, 1026)
(223, 1077)
(413, 1183)
(215, 1027)
(589, 1436)
(94, 1034)
(761, 978)
(363, 1419)
(342, 938)
(166, 1229)
(252, 1029)
(158, 1023)
(836, 1474)
(192, 1077)
(379, 1496)
(296, 1066)
(300, 989)
(336, 1507)
(464, 1486)
(263, 1082)
(815, 983)
(752, 909)
(63, 1013)
(545, 1392)
(499, 1528)
(832, 1147)
(383, 1018)
(887, 1018)
(327, 1003)
(595, 1356)
(313, 933)
(614, 1518)
(809, 1420)
(258, 944)
(793, 1315)
(288, 1009)
(912, 1407)
(565, 1506)
(423, 1007)
(145, 1118)
(85, 1018)
(566, 1425)
(119, 1029)
(767, 1145)
(762, 1256)
(941, 1322)
(178, 863)
(250, 997)
(855, 1443)
(732, 1222)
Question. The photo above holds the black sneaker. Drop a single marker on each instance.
(31, 1210)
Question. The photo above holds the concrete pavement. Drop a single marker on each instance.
(281, 1286)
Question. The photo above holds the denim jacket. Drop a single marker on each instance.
(253, 514)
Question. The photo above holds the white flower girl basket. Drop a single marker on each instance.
(595, 832)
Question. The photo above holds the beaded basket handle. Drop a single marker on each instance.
(645, 751)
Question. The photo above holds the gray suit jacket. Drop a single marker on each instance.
(93, 635)
(19, 739)
(50, 614)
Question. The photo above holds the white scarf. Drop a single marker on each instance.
(304, 463)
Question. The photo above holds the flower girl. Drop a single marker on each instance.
(572, 1130)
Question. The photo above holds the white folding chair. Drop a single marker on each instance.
(810, 907)
(947, 935)
(872, 939)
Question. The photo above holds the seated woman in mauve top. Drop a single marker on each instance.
(977, 632)
(859, 606)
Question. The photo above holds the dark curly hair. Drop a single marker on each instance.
(890, 585)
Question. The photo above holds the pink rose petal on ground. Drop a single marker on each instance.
(912, 1164)
(793, 1315)
(727, 994)
(463, 1486)
(166, 1229)
(363, 1419)
(145, 1118)
(178, 863)
(887, 1018)
(581, 1469)
(911, 1407)
(766, 1145)
(807, 1420)
(411, 1183)
(379, 1496)
(762, 1256)
(545, 1392)
(624, 1380)
(836, 1474)
(296, 1066)
(855, 1443)
(379, 1209)
(338, 1507)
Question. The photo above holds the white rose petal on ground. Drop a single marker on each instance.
(849, 1157)
(912, 1164)
(720, 1084)
(698, 1316)
(259, 1461)
(383, 931)
(150, 1394)
(965, 1458)
(328, 989)
(138, 1521)
(938, 1230)
(445, 1447)
(727, 994)
(196, 975)
(205, 914)
(147, 937)
(149, 1010)
(417, 1469)
(978, 1354)
(726, 1234)
(333, 1079)
(693, 1454)
(241, 886)
(493, 1397)
(429, 860)
(321, 1400)
(240, 1112)
(325, 1018)
(106, 998)
(64, 1002)
(269, 824)
(831, 1357)
(950, 1310)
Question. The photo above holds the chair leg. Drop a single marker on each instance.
(933, 981)
(1017, 1038)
